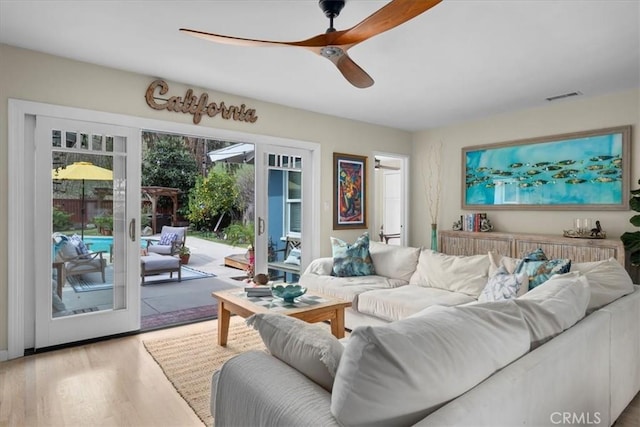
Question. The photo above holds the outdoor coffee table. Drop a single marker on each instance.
(310, 307)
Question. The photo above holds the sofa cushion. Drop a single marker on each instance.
(346, 288)
(320, 266)
(308, 348)
(466, 274)
(399, 373)
(497, 260)
(554, 306)
(608, 281)
(352, 260)
(396, 262)
(503, 285)
(398, 303)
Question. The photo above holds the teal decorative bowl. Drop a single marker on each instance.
(287, 292)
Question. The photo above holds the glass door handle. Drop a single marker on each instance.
(260, 226)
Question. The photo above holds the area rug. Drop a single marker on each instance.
(189, 361)
(93, 281)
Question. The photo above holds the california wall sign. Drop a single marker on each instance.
(196, 106)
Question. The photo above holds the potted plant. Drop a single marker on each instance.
(184, 253)
(104, 224)
(631, 240)
(238, 233)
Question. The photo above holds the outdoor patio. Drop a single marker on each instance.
(168, 302)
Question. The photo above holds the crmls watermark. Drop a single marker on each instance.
(578, 418)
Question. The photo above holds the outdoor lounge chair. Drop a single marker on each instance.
(290, 263)
(170, 241)
(76, 256)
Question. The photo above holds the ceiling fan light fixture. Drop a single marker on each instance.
(331, 51)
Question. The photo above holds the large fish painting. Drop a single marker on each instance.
(586, 170)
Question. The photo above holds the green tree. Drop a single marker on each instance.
(211, 197)
(167, 162)
(245, 183)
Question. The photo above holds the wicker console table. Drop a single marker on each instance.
(516, 245)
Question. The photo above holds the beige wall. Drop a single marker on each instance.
(562, 117)
(32, 76)
(37, 77)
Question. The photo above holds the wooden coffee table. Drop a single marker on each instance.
(311, 307)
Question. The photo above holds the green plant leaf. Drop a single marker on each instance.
(635, 220)
(635, 259)
(634, 203)
(631, 242)
(636, 192)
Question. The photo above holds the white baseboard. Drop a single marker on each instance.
(4, 355)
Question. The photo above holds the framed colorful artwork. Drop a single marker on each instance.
(349, 203)
(587, 170)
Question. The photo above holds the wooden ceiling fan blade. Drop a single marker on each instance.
(314, 42)
(237, 41)
(352, 72)
(387, 17)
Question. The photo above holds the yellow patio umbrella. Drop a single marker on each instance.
(82, 171)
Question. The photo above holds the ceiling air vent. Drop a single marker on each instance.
(564, 95)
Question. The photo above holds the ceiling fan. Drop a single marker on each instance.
(379, 165)
(334, 44)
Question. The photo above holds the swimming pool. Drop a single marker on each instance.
(103, 243)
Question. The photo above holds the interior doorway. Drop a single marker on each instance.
(391, 219)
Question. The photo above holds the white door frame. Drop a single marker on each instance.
(404, 191)
(309, 211)
(21, 127)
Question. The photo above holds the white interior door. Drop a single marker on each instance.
(87, 179)
(392, 204)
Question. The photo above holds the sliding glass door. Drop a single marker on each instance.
(86, 248)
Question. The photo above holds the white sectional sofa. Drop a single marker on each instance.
(423, 351)
(399, 289)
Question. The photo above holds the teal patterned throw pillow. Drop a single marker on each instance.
(539, 268)
(352, 260)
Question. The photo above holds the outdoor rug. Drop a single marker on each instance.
(178, 317)
(189, 361)
(93, 281)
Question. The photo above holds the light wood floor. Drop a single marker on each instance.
(112, 383)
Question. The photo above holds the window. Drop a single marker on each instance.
(293, 202)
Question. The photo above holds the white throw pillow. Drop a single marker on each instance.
(554, 306)
(399, 373)
(308, 348)
(465, 274)
(496, 261)
(395, 262)
(66, 251)
(294, 257)
(503, 285)
(608, 281)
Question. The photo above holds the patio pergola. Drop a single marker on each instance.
(153, 194)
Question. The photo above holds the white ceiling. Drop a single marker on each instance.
(461, 60)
